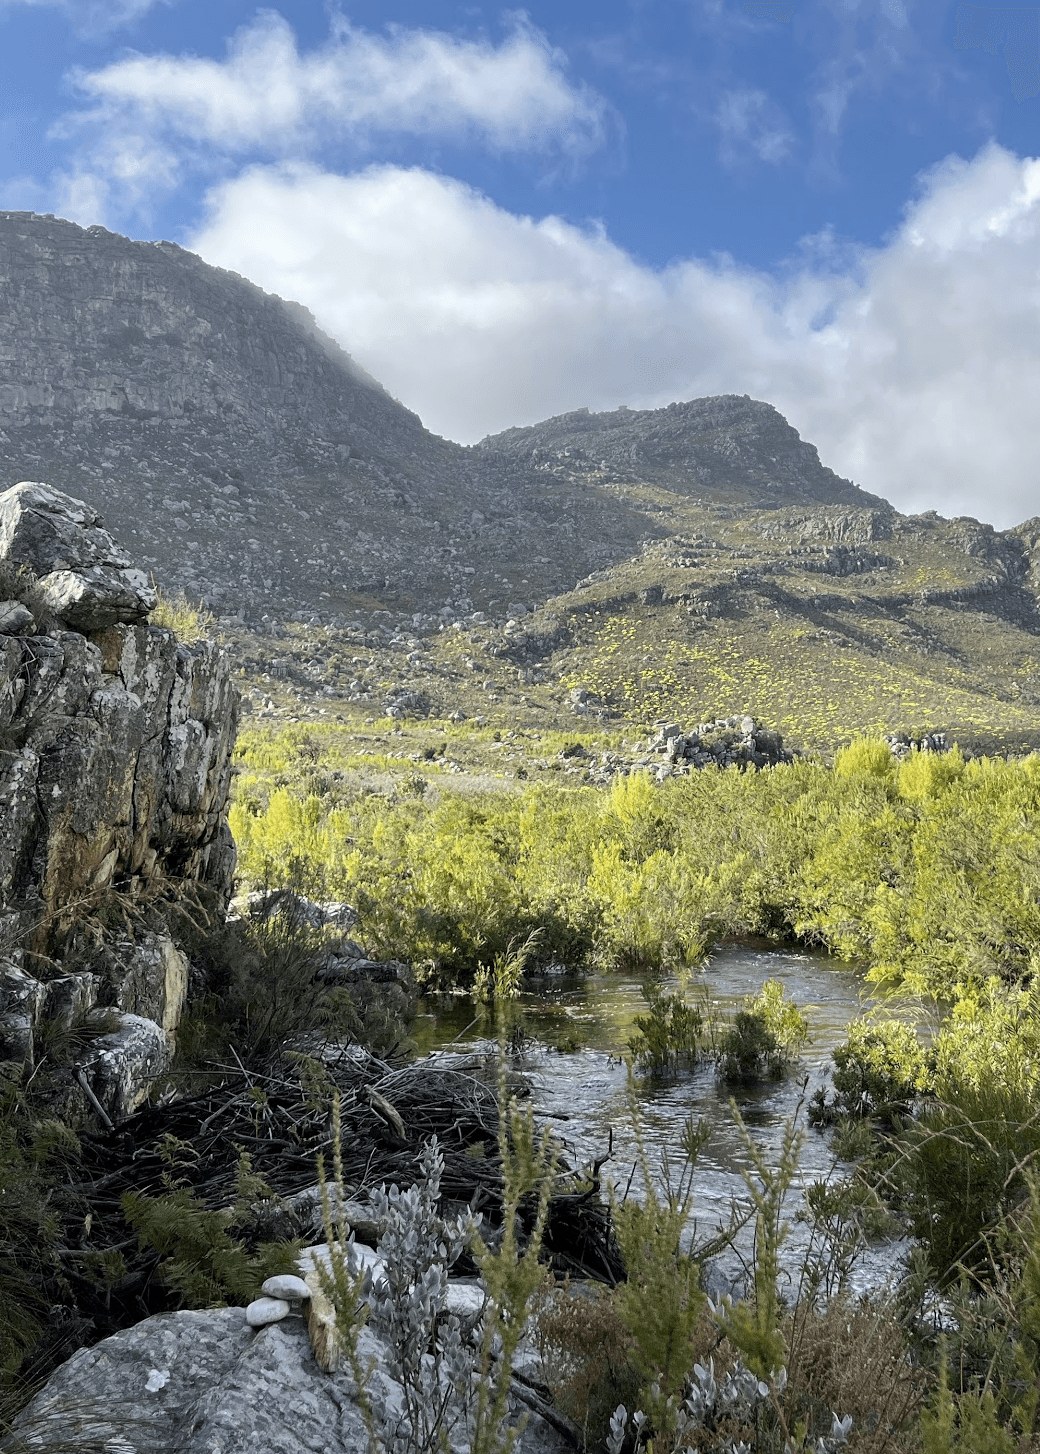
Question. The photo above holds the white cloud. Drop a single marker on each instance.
(93, 17)
(269, 97)
(155, 122)
(750, 123)
(921, 384)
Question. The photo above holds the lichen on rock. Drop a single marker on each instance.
(115, 769)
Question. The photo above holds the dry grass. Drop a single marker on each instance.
(189, 621)
(851, 1358)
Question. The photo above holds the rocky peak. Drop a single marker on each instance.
(720, 445)
(243, 457)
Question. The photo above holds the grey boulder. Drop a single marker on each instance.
(84, 577)
(15, 618)
(206, 1383)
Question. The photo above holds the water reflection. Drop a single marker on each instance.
(585, 1091)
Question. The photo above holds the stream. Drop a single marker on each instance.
(582, 1089)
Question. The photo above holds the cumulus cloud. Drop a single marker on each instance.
(915, 367)
(268, 96)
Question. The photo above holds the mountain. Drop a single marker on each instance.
(246, 458)
(683, 562)
(724, 450)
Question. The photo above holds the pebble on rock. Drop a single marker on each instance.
(286, 1285)
(266, 1310)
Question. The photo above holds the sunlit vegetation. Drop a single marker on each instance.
(188, 620)
(816, 685)
(926, 871)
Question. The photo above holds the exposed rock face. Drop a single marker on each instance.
(206, 1383)
(85, 580)
(244, 457)
(115, 767)
(726, 442)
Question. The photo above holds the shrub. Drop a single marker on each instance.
(584, 1348)
(189, 621)
(867, 758)
(851, 1354)
(33, 1155)
(968, 1151)
(264, 993)
(668, 1034)
(879, 1071)
(764, 1039)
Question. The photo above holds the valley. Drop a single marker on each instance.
(347, 715)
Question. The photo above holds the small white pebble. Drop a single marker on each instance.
(266, 1310)
(157, 1378)
(286, 1285)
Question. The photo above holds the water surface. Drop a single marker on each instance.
(585, 1093)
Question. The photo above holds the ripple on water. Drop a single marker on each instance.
(585, 1092)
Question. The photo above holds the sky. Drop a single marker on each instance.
(504, 214)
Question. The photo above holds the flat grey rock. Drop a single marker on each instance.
(206, 1383)
(286, 1285)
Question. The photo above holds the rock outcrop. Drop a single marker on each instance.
(115, 767)
(83, 578)
(207, 1383)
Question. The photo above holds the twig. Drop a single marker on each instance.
(218, 1112)
(562, 1425)
(92, 1098)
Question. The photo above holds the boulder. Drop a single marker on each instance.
(149, 977)
(21, 1003)
(207, 1383)
(84, 578)
(122, 1064)
(15, 618)
(263, 903)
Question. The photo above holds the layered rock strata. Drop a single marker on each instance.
(115, 768)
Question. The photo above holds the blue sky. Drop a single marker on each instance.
(506, 214)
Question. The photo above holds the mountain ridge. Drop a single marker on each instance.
(226, 438)
(240, 454)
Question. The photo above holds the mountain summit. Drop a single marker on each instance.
(246, 458)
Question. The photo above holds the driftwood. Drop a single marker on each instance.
(281, 1120)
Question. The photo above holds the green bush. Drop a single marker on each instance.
(928, 871)
(879, 1070)
(764, 1039)
(976, 1138)
(668, 1034)
(263, 991)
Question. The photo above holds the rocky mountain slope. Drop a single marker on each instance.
(691, 562)
(243, 456)
(820, 622)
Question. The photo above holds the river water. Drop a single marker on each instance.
(584, 1094)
